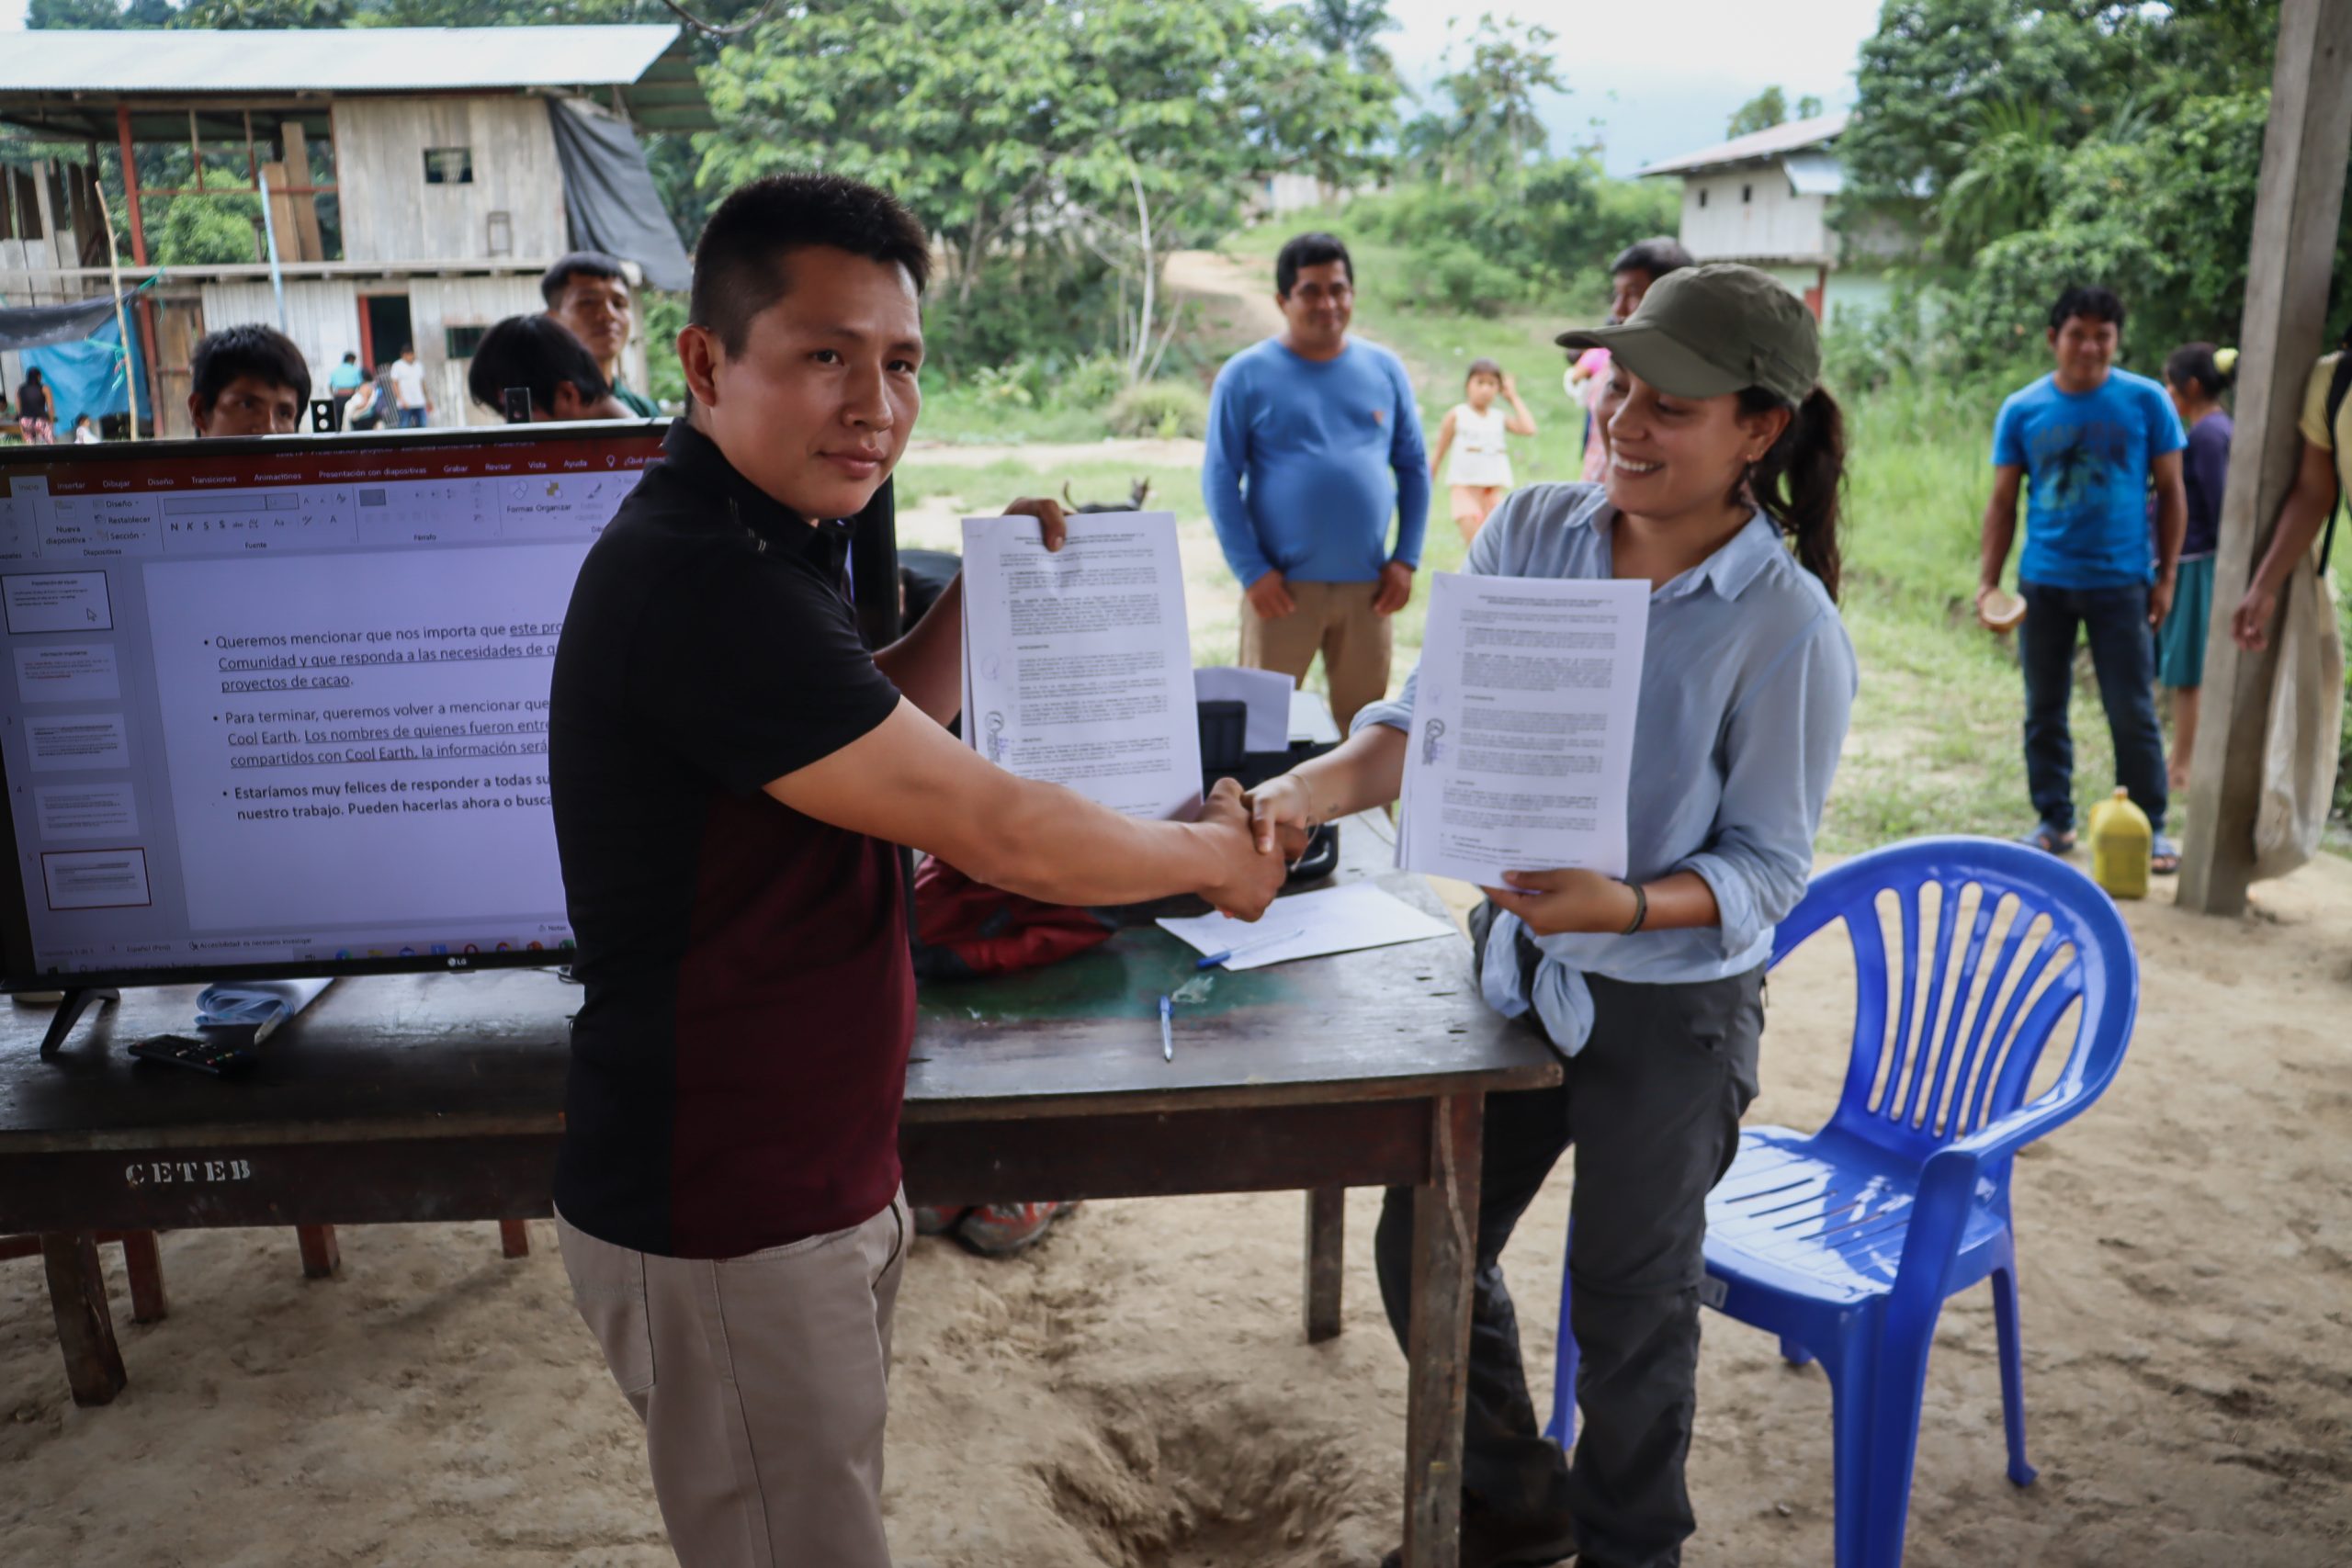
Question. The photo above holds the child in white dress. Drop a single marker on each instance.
(1474, 430)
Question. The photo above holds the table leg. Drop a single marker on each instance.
(515, 1237)
(321, 1255)
(1446, 1228)
(143, 1261)
(77, 1295)
(1327, 1222)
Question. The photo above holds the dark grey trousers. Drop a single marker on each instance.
(1652, 1107)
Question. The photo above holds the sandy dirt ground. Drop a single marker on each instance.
(1137, 1394)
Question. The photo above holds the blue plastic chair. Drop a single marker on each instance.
(1845, 1243)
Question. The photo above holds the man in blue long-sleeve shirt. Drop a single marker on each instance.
(1313, 441)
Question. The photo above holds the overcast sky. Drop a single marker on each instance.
(1661, 76)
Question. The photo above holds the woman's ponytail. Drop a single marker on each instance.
(1798, 481)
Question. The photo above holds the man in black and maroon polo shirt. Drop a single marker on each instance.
(733, 772)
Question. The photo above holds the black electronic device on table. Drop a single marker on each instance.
(222, 1053)
(274, 708)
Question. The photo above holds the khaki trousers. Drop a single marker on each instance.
(1336, 619)
(761, 1381)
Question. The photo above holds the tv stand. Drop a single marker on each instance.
(69, 1012)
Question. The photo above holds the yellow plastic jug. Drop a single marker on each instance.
(2121, 843)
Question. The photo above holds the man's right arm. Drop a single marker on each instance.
(908, 781)
(1222, 467)
(2000, 527)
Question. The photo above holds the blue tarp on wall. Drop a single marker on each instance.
(88, 376)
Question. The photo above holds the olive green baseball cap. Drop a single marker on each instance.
(1703, 331)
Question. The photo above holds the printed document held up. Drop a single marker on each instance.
(1522, 737)
(1078, 664)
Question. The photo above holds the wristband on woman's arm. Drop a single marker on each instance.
(1641, 909)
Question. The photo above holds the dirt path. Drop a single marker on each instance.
(1214, 275)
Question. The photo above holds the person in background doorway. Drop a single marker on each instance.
(587, 292)
(84, 434)
(247, 380)
(1476, 430)
(538, 355)
(35, 415)
(346, 377)
(2084, 444)
(1314, 442)
(2196, 375)
(363, 409)
(411, 404)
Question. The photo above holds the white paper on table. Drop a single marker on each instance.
(1078, 664)
(1310, 719)
(1337, 919)
(1523, 740)
(1264, 695)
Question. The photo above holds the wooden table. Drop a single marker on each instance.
(437, 1098)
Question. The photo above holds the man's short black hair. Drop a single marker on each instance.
(579, 263)
(536, 352)
(350, 358)
(1652, 258)
(263, 353)
(739, 262)
(1309, 249)
(2089, 300)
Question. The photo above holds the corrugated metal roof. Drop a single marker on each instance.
(1795, 136)
(331, 59)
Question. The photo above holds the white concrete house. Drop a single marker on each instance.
(1767, 199)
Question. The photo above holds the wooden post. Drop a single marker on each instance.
(321, 1255)
(309, 244)
(1446, 1248)
(1327, 1222)
(2296, 211)
(515, 1237)
(131, 185)
(143, 1261)
(48, 211)
(77, 1297)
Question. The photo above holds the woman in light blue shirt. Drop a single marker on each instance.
(1725, 463)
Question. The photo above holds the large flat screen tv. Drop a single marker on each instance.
(278, 707)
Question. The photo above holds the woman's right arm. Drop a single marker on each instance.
(1365, 771)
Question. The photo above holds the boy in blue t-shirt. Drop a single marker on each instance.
(2085, 442)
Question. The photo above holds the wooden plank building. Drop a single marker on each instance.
(416, 186)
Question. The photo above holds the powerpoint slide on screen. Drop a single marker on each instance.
(291, 706)
(316, 708)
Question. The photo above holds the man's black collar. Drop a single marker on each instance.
(697, 459)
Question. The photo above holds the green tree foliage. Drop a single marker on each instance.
(1762, 112)
(85, 14)
(203, 231)
(2043, 145)
(1487, 126)
(1552, 237)
(1352, 28)
(1065, 148)
(235, 14)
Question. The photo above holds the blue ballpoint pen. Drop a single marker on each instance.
(1167, 1038)
(1215, 958)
